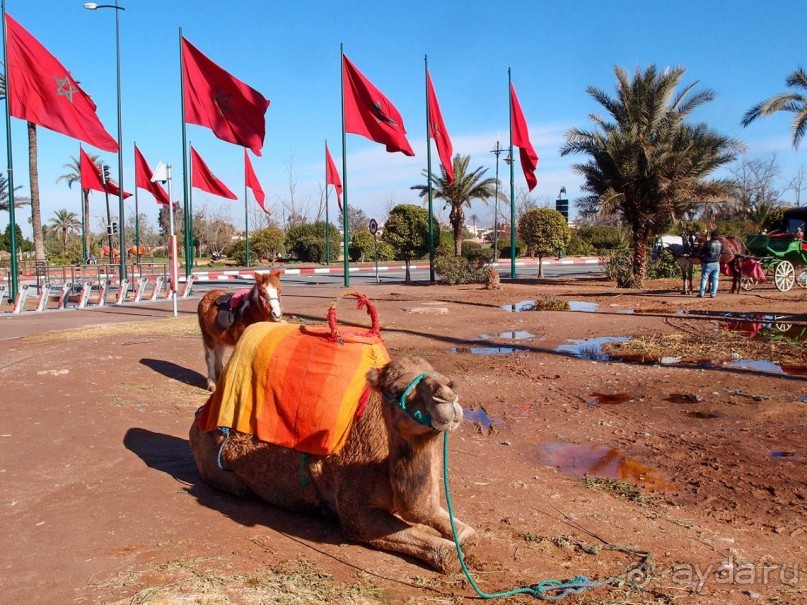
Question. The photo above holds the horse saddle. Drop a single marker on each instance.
(228, 305)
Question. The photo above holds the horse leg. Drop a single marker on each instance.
(212, 372)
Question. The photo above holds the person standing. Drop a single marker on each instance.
(710, 264)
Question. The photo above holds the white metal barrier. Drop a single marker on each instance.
(22, 294)
(158, 286)
(84, 298)
(186, 290)
(141, 287)
(122, 292)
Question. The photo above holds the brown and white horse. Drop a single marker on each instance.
(223, 317)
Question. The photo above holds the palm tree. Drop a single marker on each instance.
(467, 186)
(64, 222)
(72, 176)
(646, 164)
(19, 202)
(787, 101)
(33, 176)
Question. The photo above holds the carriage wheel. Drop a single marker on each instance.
(782, 327)
(801, 279)
(748, 283)
(784, 275)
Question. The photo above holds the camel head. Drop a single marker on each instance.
(419, 397)
(268, 287)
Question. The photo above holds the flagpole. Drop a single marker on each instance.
(84, 257)
(512, 185)
(137, 224)
(246, 211)
(186, 215)
(327, 219)
(12, 221)
(429, 173)
(344, 172)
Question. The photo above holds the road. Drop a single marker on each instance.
(395, 276)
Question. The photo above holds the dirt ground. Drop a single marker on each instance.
(569, 464)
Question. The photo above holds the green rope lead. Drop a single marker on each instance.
(539, 591)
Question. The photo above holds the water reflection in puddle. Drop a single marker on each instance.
(487, 350)
(759, 365)
(512, 335)
(782, 454)
(769, 327)
(591, 348)
(585, 307)
(480, 416)
(609, 463)
(524, 305)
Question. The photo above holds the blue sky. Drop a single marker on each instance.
(289, 51)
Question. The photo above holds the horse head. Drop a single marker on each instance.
(657, 248)
(268, 287)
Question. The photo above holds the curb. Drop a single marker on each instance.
(222, 275)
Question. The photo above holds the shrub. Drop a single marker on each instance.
(504, 248)
(619, 267)
(454, 270)
(604, 238)
(663, 267)
(579, 247)
(476, 254)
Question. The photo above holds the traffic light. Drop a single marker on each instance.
(109, 229)
(106, 173)
(114, 227)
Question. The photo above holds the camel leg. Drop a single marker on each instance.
(205, 449)
(219, 365)
(385, 531)
(440, 521)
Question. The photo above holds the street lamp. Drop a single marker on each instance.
(122, 231)
(497, 151)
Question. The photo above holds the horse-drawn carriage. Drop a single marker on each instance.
(781, 253)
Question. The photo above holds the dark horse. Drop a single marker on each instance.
(730, 258)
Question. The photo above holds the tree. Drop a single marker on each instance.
(646, 163)
(33, 177)
(268, 243)
(19, 202)
(73, 176)
(467, 186)
(755, 192)
(407, 231)
(545, 232)
(307, 242)
(63, 223)
(793, 102)
(357, 220)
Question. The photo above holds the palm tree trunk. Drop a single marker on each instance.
(36, 210)
(640, 235)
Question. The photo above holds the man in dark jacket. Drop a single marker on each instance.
(710, 264)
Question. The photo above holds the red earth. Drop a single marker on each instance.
(566, 466)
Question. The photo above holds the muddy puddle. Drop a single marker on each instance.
(598, 461)
(608, 399)
(479, 416)
(552, 304)
(590, 348)
(511, 335)
(503, 350)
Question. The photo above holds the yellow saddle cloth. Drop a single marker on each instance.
(295, 386)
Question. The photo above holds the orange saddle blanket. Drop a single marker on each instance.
(294, 386)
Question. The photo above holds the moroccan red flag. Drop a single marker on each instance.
(43, 92)
(203, 178)
(369, 113)
(91, 177)
(143, 180)
(438, 131)
(213, 98)
(521, 139)
(253, 182)
(332, 176)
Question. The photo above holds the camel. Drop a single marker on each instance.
(383, 485)
(260, 303)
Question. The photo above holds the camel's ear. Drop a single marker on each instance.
(374, 378)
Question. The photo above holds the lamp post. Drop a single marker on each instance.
(122, 231)
(497, 152)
